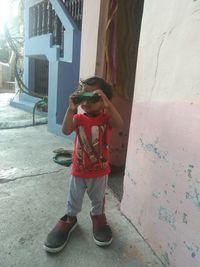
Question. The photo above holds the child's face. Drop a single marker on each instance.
(89, 107)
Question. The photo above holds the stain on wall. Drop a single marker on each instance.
(193, 195)
(192, 248)
(167, 216)
(154, 149)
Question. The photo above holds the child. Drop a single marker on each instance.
(90, 164)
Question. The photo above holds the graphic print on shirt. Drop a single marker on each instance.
(89, 149)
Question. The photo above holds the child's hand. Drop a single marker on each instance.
(115, 119)
(104, 98)
(71, 103)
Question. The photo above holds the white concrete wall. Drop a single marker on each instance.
(162, 177)
(90, 26)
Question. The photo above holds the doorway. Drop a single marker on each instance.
(119, 32)
(38, 75)
(41, 76)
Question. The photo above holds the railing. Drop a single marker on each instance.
(44, 20)
(75, 8)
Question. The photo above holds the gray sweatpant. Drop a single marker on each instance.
(95, 188)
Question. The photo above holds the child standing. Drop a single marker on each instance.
(90, 162)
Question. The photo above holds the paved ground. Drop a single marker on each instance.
(11, 117)
(33, 194)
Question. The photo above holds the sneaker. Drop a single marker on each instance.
(58, 237)
(102, 233)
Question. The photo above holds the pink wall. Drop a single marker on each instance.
(162, 179)
(162, 176)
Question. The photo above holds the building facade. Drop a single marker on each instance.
(51, 56)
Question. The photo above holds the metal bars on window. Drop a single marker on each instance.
(43, 19)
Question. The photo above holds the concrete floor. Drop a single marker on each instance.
(11, 117)
(33, 191)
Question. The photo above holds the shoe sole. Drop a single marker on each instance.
(102, 244)
(55, 250)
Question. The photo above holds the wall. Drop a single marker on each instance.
(90, 25)
(162, 176)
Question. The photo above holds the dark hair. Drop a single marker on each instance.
(101, 84)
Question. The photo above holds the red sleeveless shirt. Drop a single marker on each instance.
(91, 146)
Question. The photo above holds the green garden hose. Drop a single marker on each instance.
(60, 154)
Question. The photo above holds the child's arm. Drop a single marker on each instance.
(115, 119)
(68, 125)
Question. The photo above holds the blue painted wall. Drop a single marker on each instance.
(63, 72)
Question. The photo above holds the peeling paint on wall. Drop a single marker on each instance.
(172, 248)
(189, 171)
(156, 194)
(166, 216)
(154, 149)
(173, 186)
(185, 218)
(171, 251)
(128, 174)
(193, 195)
(193, 248)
